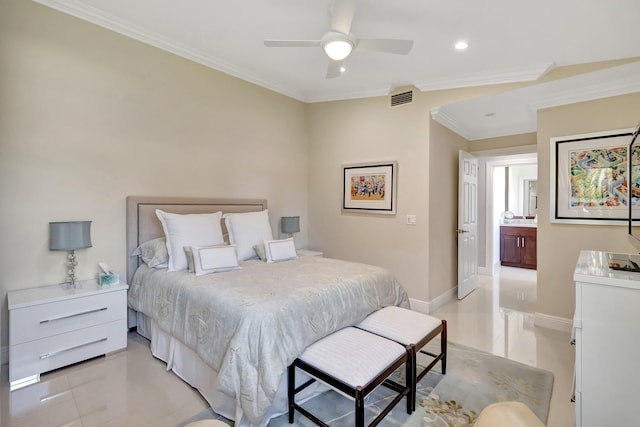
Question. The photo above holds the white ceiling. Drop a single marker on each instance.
(508, 40)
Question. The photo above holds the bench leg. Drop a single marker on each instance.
(410, 373)
(443, 347)
(359, 407)
(291, 389)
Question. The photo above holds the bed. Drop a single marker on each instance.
(232, 334)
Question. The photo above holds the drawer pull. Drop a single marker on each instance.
(73, 315)
(55, 353)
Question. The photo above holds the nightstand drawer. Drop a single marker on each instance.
(58, 317)
(35, 357)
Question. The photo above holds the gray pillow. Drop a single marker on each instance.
(153, 252)
(259, 248)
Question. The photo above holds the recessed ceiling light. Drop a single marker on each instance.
(342, 69)
(461, 45)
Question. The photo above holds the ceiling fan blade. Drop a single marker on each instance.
(333, 69)
(292, 43)
(399, 47)
(342, 15)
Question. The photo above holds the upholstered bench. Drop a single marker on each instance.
(353, 362)
(412, 329)
(508, 414)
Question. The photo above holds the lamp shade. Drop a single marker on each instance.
(69, 235)
(290, 224)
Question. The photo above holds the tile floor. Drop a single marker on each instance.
(131, 388)
(498, 318)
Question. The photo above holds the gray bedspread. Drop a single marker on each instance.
(250, 324)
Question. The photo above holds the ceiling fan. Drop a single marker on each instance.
(338, 43)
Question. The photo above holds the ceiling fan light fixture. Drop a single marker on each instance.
(337, 46)
(337, 49)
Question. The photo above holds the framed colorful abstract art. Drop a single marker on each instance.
(370, 187)
(589, 178)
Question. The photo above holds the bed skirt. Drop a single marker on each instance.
(188, 366)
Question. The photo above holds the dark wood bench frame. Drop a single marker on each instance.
(359, 393)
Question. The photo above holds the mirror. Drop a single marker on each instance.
(522, 189)
(530, 198)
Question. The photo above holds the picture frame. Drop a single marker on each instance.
(589, 178)
(370, 187)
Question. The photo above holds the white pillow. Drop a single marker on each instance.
(280, 250)
(247, 230)
(188, 230)
(214, 259)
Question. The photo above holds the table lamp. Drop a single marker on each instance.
(290, 224)
(69, 236)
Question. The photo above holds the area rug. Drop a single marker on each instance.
(474, 380)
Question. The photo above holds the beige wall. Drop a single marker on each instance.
(88, 117)
(368, 130)
(444, 147)
(498, 143)
(560, 244)
(361, 130)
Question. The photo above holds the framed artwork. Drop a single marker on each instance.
(589, 178)
(370, 187)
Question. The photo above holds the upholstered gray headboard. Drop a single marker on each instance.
(143, 224)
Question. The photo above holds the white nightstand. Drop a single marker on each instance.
(55, 326)
(307, 252)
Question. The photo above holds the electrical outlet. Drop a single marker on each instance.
(411, 220)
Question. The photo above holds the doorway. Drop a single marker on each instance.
(508, 182)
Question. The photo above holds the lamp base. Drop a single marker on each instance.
(71, 272)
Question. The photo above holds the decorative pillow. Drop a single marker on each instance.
(214, 259)
(280, 250)
(188, 230)
(153, 252)
(247, 230)
(189, 253)
(259, 248)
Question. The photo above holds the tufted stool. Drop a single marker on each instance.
(353, 362)
(412, 329)
(508, 414)
(208, 423)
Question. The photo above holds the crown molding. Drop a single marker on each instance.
(615, 81)
(440, 115)
(482, 79)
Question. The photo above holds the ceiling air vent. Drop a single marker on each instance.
(402, 98)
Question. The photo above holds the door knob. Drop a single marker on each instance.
(459, 231)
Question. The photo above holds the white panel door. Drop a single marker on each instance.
(467, 223)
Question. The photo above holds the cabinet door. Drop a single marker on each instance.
(509, 249)
(528, 250)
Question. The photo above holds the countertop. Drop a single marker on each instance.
(519, 223)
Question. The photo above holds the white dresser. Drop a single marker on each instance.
(607, 336)
(55, 326)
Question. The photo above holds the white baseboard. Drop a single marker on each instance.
(430, 306)
(553, 322)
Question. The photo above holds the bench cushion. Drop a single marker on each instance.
(369, 355)
(400, 324)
